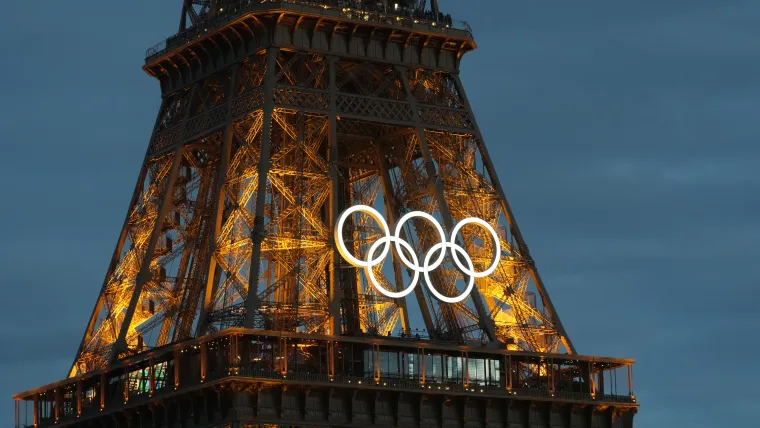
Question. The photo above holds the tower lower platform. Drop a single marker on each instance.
(242, 378)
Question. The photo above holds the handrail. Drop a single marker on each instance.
(432, 386)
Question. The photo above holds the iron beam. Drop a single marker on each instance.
(525, 252)
(485, 321)
(144, 275)
(253, 302)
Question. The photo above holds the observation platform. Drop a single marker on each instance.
(322, 27)
(239, 375)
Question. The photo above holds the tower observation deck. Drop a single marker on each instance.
(318, 237)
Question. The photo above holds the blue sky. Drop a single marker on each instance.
(625, 136)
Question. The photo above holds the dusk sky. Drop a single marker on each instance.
(626, 136)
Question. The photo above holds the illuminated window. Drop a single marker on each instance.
(139, 380)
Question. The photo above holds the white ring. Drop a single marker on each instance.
(470, 285)
(414, 266)
(371, 273)
(401, 245)
(341, 243)
(496, 242)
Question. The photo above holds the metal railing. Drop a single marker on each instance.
(412, 384)
(368, 12)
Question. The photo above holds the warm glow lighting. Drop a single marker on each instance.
(413, 264)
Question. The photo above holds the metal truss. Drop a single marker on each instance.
(230, 224)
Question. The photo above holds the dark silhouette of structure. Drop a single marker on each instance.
(226, 303)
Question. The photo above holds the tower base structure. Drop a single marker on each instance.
(241, 378)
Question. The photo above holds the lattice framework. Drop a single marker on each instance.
(208, 244)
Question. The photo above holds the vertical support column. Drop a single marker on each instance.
(183, 17)
(79, 398)
(126, 384)
(421, 365)
(252, 303)
(36, 416)
(377, 362)
(630, 380)
(515, 230)
(177, 354)
(486, 322)
(552, 382)
(102, 391)
(331, 359)
(236, 355)
(57, 404)
(591, 383)
(508, 367)
(284, 355)
(234, 361)
(212, 280)
(392, 210)
(204, 354)
(489, 373)
(144, 275)
(152, 376)
(466, 371)
(335, 292)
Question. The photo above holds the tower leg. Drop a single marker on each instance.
(212, 278)
(488, 163)
(111, 267)
(391, 209)
(120, 345)
(117, 251)
(335, 293)
(486, 322)
(252, 303)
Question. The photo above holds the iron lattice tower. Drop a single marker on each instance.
(276, 117)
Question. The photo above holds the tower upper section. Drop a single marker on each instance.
(195, 12)
(214, 33)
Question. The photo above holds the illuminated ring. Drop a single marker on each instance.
(342, 245)
(455, 248)
(496, 242)
(401, 245)
(414, 266)
(371, 273)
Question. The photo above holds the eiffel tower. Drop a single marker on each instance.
(227, 302)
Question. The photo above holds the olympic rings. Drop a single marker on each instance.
(385, 241)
